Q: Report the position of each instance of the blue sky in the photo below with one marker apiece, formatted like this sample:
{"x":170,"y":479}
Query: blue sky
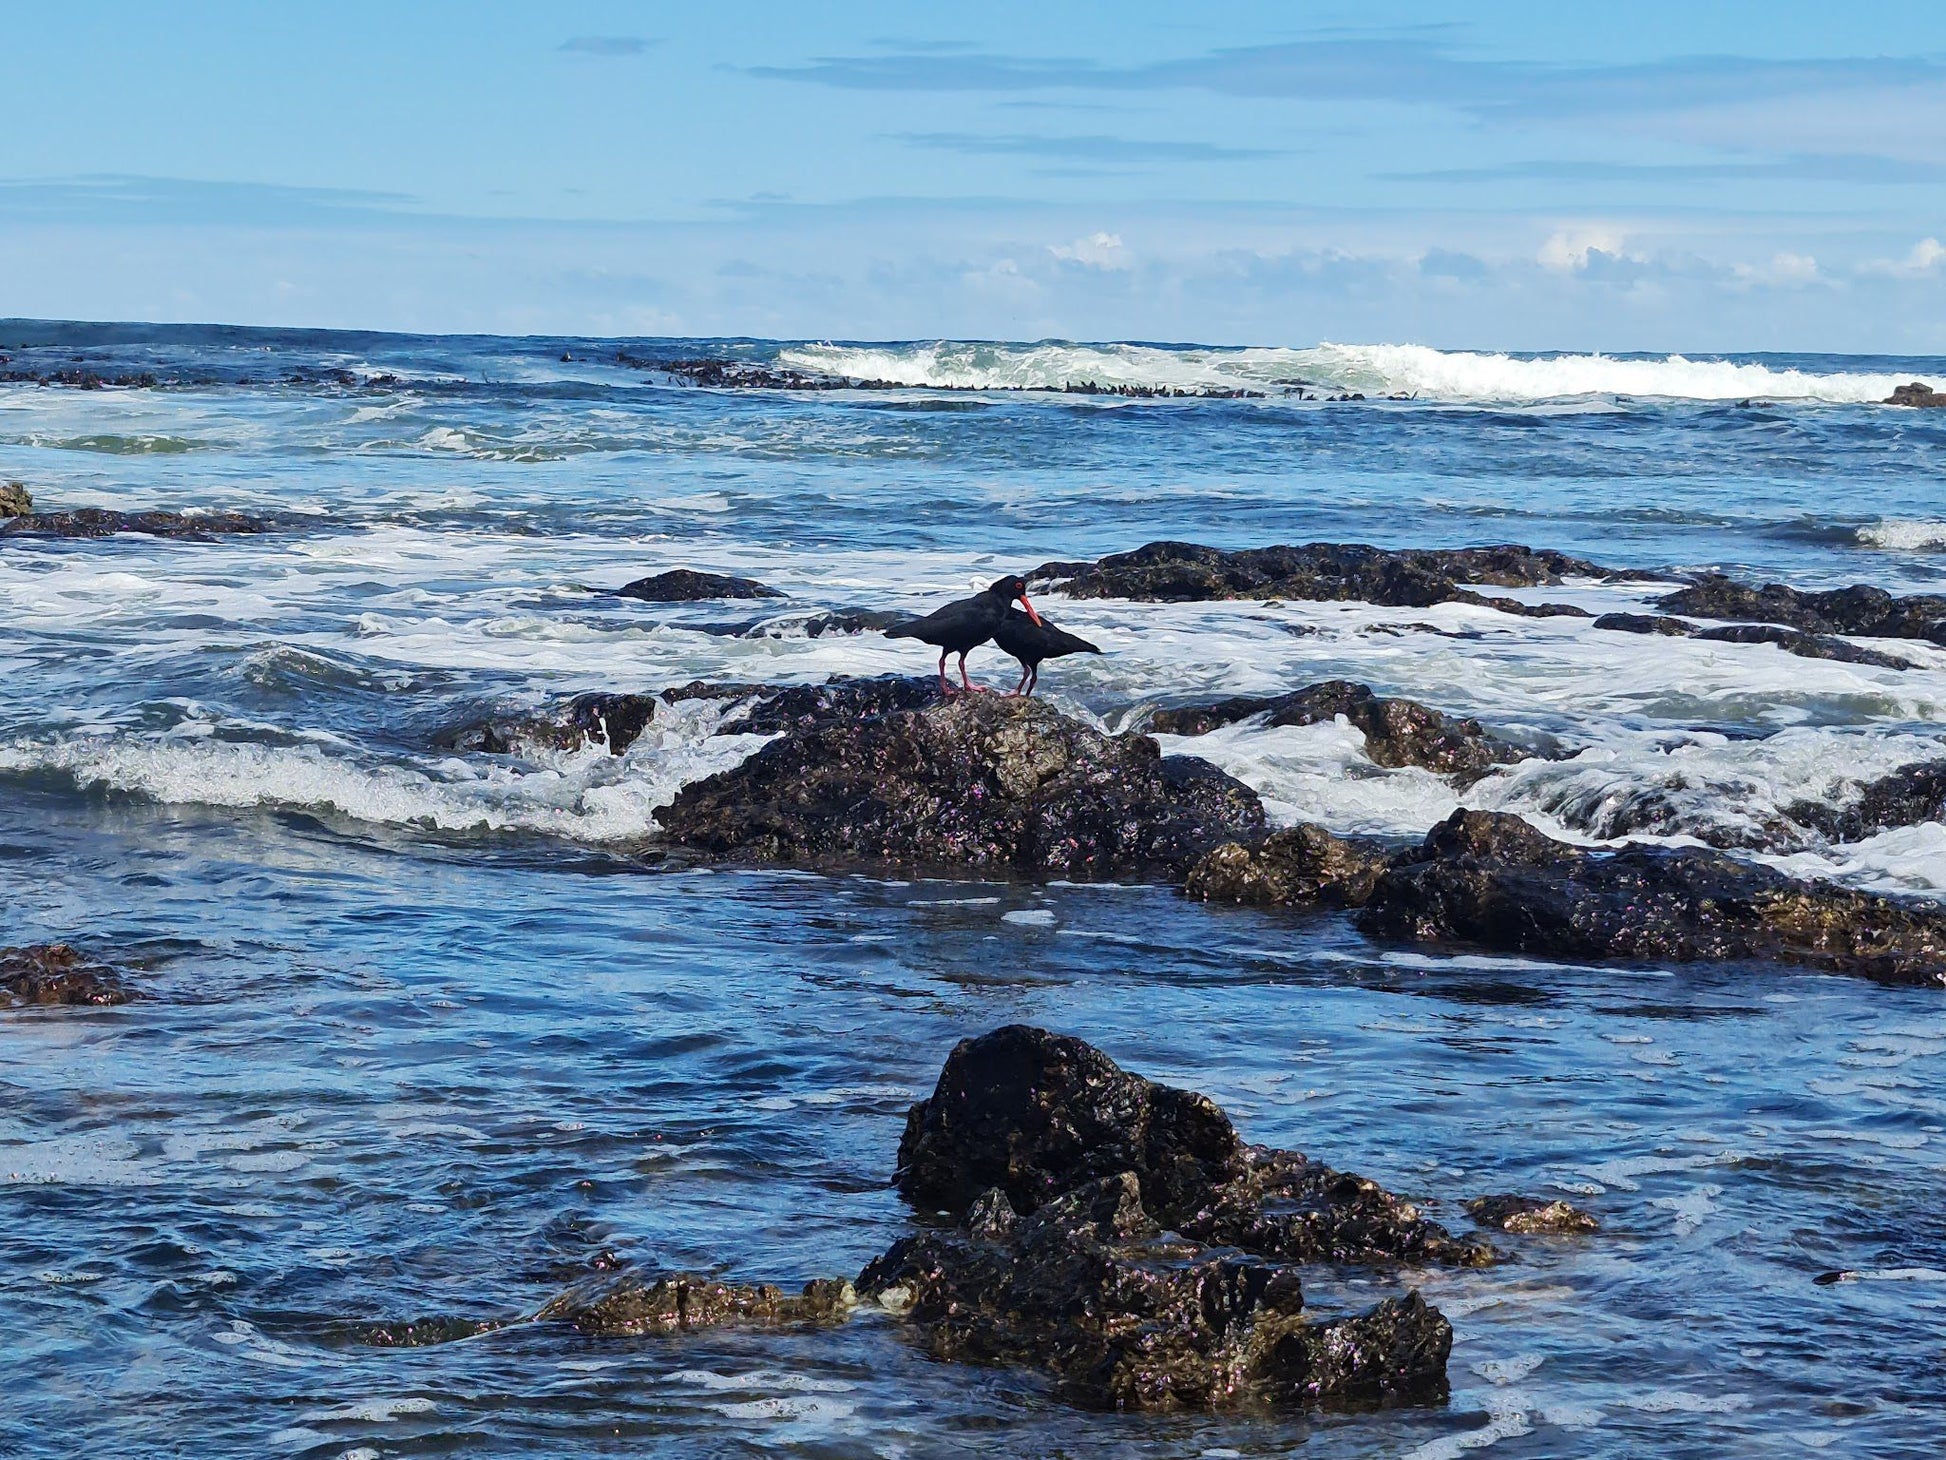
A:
{"x":1720,"y":176}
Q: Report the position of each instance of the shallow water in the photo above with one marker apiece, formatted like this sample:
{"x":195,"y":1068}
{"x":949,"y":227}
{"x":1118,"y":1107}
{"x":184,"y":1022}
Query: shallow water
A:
{"x":423,"y":1037}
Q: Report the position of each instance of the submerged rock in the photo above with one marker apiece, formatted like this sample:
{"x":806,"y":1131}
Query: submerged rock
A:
{"x":628,"y":1304}
{"x":1037,"y":1115}
{"x":1181,"y":572}
{"x":1398,"y":732}
{"x":1916,"y":394}
{"x":977,"y":783}
{"x":616,"y":720}
{"x":1859,"y":609}
{"x":1300,"y":866}
{"x":101,"y":522}
{"x":1491,"y":879}
{"x":57,"y":973}
{"x":686,"y":585}
{"x":1528,"y":1215}
{"x":835,"y":621}
{"x":1804,"y":644}
{"x":1908,"y":796}
{"x":1088,"y":1288}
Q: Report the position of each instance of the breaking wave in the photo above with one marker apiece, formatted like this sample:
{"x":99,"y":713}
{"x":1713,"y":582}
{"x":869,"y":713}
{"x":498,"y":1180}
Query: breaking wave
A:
{"x":1412,"y":370}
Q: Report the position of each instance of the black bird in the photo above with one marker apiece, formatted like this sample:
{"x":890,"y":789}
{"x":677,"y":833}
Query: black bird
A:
{"x":1032,"y":640}
{"x":965,"y":624}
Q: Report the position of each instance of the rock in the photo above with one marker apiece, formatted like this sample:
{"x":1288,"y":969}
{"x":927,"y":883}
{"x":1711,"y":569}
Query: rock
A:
{"x":1300,"y":866}
{"x":1088,"y":1288}
{"x":1859,"y":609}
{"x":794,"y":709}
{"x":57,"y":973}
{"x":837,"y":621}
{"x":1527,"y":1215}
{"x":1792,"y":641}
{"x":627,"y":1305}
{"x":979,"y":783}
{"x":617,"y":720}
{"x":100,"y":522}
{"x":1038,"y":1115}
{"x":15,"y":500}
{"x":1489,"y":878}
{"x":1908,"y":796}
{"x":1398,"y":732}
{"x":1916,"y":394}
{"x":685,"y":585}
{"x":422,"y":1332}
{"x":1180,"y":572}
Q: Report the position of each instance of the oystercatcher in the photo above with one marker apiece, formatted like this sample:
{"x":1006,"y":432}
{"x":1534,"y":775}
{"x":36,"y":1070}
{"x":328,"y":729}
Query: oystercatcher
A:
{"x":965,"y":624}
{"x":1032,"y":640}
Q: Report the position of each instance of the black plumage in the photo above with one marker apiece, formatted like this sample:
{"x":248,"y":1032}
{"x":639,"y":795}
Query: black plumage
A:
{"x":966,"y":623}
{"x":1033,"y":640}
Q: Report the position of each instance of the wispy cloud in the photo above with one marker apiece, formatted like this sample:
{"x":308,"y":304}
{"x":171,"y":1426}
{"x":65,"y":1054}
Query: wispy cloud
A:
{"x":1863,"y":170}
{"x":608,"y":45}
{"x":1094,"y":148}
{"x":126,"y":198}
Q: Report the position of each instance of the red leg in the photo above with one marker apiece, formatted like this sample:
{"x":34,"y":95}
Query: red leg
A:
{"x":1020,"y":689}
{"x":971,"y":687}
{"x":946,"y":689}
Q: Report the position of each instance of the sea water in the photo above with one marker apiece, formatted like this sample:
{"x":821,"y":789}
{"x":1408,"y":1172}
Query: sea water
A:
{"x":424,"y":1032}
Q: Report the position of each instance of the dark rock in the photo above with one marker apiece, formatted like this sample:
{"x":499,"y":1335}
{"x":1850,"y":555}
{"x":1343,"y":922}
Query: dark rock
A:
{"x":1301,"y":866}
{"x":1527,"y":1215}
{"x":1859,"y":609}
{"x":57,"y":973}
{"x":1908,"y":796}
{"x":617,"y":720}
{"x":15,"y":500}
{"x":1916,"y":394}
{"x":627,"y":1304}
{"x":981,"y":782}
{"x":686,"y":585}
{"x":1398,"y":732}
{"x":838,"y":621}
{"x":100,"y":522}
{"x":794,"y":709}
{"x":1088,"y":1288}
{"x":1180,"y":572}
{"x":1792,"y":641}
{"x":422,"y":1332}
{"x":1038,"y":1115}
{"x":1491,"y":879}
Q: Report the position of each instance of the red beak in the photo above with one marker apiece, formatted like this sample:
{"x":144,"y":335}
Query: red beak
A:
{"x":1030,"y":609}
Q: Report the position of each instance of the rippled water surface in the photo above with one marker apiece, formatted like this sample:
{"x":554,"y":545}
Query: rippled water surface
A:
{"x":423,"y":1034}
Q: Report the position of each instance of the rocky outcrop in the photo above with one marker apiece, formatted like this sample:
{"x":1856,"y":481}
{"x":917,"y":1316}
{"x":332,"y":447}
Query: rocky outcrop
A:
{"x":1088,"y":1288}
{"x":628,"y":1304}
{"x":1908,"y":796}
{"x":614,"y":720}
{"x":1038,"y":1115}
{"x":15,"y":500}
{"x":1299,"y":866}
{"x":794,"y":709}
{"x":1181,"y":572}
{"x":101,"y":522}
{"x":686,"y":585}
{"x":1489,"y":878}
{"x":1859,"y":609}
{"x":1792,"y":641}
{"x":1398,"y":732}
{"x":1530,"y":1215}
{"x":980,"y":784}
{"x":1916,"y":394}
{"x":57,"y":973}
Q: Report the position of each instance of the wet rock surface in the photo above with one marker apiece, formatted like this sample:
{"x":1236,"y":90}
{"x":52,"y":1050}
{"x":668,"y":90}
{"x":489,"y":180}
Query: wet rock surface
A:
{"x":88,"y":522}
{"x":1299,"y":866}
{"x":686,"y":585}
{"x":1530,"y":1215}
{"x":1180,"y":572}
{"x":1908,"y":796}
{"x":1090,"y":1289}
{"x":793,"y":709}
{"x":1918,"y":393}
{"x":614,"y":720}
{"x":977,"y":783}
{"x":15,"y":499}
{"x":57,"y":973}
{"x":1038,"y":1115}
{"x":630,"y":1304}
{"x":1491,"y":879}
{"x":1800,"y":642}
{"x":1859,"y":609}
{"x":1398,"y":732}
{"x":836,"y":621}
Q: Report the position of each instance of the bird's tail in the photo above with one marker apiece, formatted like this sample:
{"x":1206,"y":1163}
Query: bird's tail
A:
{"x":908,"y":630}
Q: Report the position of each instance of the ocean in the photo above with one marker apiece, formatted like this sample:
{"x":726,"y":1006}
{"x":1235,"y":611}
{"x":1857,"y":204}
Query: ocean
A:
{"x":421,"y":1032}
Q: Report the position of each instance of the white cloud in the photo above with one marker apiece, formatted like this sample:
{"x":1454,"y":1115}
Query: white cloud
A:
{"x":1926,"y":257}
{"x":1567,"y":249}
{"x":1786,"y":269}
{"x":1096,"y":251}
